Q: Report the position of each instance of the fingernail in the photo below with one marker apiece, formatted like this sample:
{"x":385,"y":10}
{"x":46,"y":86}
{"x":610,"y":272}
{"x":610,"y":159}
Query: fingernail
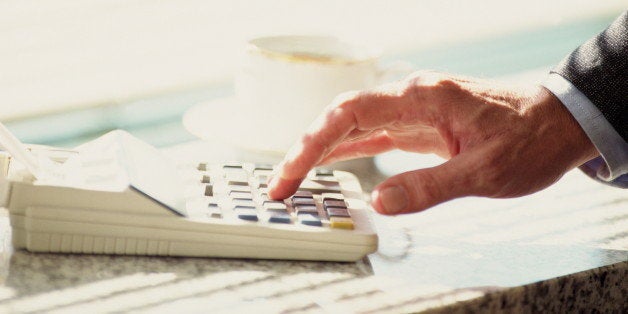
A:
{"x":394,"y":199}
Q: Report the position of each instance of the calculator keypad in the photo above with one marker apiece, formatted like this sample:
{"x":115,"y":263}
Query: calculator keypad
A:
{"x":239,"y":191}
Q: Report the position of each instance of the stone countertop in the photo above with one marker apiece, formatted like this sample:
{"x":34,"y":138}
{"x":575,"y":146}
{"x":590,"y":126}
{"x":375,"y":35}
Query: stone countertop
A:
{"x":563,"y":249}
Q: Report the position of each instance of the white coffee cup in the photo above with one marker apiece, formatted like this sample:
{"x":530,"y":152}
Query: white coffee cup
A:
{"x":284,"y":82}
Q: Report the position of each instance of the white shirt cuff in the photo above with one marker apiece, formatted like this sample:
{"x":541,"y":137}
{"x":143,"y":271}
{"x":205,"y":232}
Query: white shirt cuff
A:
{"x":610,"y":145}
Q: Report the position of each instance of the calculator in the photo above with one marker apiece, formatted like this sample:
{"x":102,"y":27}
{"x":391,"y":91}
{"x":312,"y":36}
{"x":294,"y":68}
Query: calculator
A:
{"x":118,"y":195}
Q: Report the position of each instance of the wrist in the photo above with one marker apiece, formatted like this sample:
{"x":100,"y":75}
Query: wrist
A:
{"x":561,"y":130}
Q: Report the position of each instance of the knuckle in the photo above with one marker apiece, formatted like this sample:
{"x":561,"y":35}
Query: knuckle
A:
{"x":447,"y":85}
{"x":344,"y":100}
{"x":312,"y":142}
{"x":424,"y":85}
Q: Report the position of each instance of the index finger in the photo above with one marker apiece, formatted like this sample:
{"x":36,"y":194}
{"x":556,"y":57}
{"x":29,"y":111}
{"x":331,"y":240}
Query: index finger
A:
{"x":362,"y":111}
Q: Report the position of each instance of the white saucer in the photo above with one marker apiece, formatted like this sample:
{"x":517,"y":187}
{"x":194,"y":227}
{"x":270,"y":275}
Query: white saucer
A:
{"x":223,"y":120}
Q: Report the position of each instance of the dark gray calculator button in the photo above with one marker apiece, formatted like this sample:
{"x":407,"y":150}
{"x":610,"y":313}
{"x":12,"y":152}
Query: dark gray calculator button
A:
{"x":337,"y":212}
{"x":303,"y":201}
{"x":334,"y":203}
{"x":302,"y":194}
{"x":306,"y":210}
{"x":202,"y":166}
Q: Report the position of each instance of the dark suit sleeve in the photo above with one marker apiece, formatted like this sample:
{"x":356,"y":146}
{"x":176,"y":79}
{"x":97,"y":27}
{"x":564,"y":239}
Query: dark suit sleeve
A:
{"x":599,"y":69}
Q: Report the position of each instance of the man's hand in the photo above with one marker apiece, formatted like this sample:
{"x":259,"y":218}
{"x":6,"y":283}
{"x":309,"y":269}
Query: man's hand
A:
{"x":500,"y":142}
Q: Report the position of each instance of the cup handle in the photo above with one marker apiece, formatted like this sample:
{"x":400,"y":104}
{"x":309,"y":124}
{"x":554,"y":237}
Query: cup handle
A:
{"x":395,"y":70}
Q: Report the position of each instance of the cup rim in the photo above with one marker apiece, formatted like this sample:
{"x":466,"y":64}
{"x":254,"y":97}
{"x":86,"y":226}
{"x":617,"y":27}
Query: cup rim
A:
{"x":257,"y":46}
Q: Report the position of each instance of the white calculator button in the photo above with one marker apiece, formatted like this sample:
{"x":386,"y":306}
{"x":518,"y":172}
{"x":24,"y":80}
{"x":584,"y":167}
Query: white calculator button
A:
{"x":237,"y":178}
{"x":236,"y":195}
{"x":214,"y":211}
{"x":209,"y":190}
{"x":206,"y":179}
{"x":243,"y":202}
{"x":275,"y":206}
{"x":318,"y":187}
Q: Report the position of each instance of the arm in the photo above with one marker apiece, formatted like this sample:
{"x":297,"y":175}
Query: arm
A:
{"x":592,"y":82}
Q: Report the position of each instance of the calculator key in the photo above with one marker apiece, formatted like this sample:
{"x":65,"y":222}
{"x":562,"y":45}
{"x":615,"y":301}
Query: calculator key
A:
{"x":263,"y":198}
{"x":302,"y":194}
{"x":239,"y":188}
{"x":206,"y":179}
{"x":325,"y":178}
{"x":236,"y":195}
{"x":318,"y":186}
{"x":237,"y":178}
{"x":337,"y":212}
{"x":202,"y":166}
{"x":324,"y":172}
{"x":275,"y":206}
{"x":263,"y":167}
{"x":260,"y":182}
{"x":283,"y":218}
{"x":306,"y":210}
{"x":237,"y":182}
{"x":324,"y":175}
{"x":214,"y":211}
{"x":334,"y":203}
{"x":310,"y":220}
{"x":209,"y":190}
{"x":341,"y":223}
{"x":262,"y":173}
{"x":243,"y":202}
{"x":332,"y":196}
{"x":303,"y":201}
{"x":232,"y":165}
{"x":246,"y":213}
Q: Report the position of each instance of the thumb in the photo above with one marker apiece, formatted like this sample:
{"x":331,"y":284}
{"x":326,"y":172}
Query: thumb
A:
{"x":418,"y":190}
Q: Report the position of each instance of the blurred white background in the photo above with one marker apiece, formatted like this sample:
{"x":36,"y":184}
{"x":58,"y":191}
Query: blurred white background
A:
{"x":60,"y":56}
{"x":71,"y":70}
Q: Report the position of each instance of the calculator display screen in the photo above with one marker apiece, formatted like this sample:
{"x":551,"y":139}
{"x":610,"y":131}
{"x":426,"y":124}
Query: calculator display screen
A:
{"x":151,"y":173}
